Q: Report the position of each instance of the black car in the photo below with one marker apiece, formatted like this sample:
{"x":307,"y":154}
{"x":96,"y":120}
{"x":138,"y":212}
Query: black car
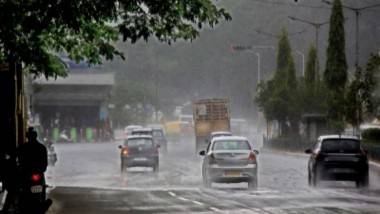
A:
{"x":340,"y":158}
{"x":230,"y":159}
{"x":139,"y":151}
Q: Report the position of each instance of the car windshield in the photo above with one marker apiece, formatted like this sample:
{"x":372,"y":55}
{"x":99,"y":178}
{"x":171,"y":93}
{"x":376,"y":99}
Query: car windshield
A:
{"x":231,"y":145}
{"x":158,"y":133}
{"x":340,"y":146}
{"x":139,"y":142}
{"x":141,"y":133}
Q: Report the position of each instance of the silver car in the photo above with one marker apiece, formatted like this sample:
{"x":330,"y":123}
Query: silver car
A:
{"x":230,"y":159}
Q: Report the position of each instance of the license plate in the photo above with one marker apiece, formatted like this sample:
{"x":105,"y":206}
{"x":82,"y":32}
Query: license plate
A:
{"x":36,"y":189}
{"x":232,"y":174}
{"x":140,"y":159}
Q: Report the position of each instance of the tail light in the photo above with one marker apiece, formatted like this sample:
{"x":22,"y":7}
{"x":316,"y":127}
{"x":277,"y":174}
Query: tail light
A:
{"x":252,"y":158}
{"x":125,"y":152}
{"x":36,"y":177}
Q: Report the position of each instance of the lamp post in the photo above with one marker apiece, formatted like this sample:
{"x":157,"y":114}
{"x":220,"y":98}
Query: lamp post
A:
{"x":303,"y":61}
{"x":317,"y":26}
{"x":250,"y":48}
{"x":357,"y":11}
{"x":258,"y":68}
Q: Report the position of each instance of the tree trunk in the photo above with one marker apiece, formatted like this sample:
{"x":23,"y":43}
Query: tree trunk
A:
{"x":12,"y":110}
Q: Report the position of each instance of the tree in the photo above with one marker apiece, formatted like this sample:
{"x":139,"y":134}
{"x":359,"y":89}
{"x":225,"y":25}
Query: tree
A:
{"x":360,"y":99}
{"x":311,"y":73}
{"x":313,"y":92}
{"x":335,"y":75}
{"x":35,"y":32}
{"x":279,"y":98}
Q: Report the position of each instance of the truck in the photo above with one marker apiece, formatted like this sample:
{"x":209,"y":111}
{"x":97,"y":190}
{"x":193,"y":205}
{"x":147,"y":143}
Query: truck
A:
{"x":209,"y":115}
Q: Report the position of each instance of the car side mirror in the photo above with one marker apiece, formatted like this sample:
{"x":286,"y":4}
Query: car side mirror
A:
{"x":308,"y":151}
{"x":120,"y":147}
{"x":202,"y":153}
{"x":256,"y":151}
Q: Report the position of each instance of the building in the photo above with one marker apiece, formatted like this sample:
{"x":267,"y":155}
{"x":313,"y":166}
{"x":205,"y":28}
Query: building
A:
{"x":76,"y":105}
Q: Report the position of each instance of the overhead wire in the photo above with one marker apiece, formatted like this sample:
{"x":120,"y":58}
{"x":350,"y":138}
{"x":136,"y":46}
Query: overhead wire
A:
{"x":289,"y":4}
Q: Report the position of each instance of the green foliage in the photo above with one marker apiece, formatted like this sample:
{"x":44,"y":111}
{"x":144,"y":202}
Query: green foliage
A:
{"x":335,"y":75}
{"x":372,"y":134}
{"x":360,"y":99}
{"x":311,"y":73}
{"x":33,"y":31}
{"x":126,"y":96}
{"x":313,"y":91}
{"x":279,"y":98}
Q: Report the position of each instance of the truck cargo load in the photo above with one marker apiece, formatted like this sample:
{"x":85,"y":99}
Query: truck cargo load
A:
{"x":210,"y":115}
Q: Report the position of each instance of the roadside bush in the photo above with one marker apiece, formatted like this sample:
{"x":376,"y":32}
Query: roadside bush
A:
{"x":371,"y":135}
{"x":295,"y":144}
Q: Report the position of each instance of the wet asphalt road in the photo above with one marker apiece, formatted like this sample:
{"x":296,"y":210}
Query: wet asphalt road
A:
{"x":87,"y":179}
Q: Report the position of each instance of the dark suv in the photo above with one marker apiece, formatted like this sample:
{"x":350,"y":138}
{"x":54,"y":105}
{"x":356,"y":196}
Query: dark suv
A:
{"x":336,"y":157}
{"x":139,"y":151}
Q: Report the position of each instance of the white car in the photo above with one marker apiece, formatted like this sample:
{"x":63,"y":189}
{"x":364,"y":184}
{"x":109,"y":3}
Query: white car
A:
{"x":128,"y":129}
{"x":230,"y":159}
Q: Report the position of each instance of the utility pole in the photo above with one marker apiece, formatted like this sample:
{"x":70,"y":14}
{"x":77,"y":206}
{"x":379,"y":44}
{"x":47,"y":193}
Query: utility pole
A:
{"x":250,"y":48}
{"x":258,"y":68}
{"x":357,"y":11}
{"x":303,"y":61}
{"x":317,"y":26}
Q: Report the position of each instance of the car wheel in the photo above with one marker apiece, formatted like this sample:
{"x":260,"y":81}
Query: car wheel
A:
{"x":362,"y":182}
{"x":156,"y":168}
{"x":310,"y":179}
{"x":206,"y":180}
{"x":315,"y":178}
{"x":252,"y":184}
{"x":122,"y":167}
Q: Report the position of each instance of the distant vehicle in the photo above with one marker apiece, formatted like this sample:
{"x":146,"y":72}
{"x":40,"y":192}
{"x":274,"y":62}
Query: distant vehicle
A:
{"x":128,"y":129}
{"x":230,"y":159}
{"x":139,"y":151}
{"x":219,"y":134}
{"x":142,"y":131}
{"x":210,"y":115}
{"x":336,"y":157}
{"x":160,"y":139}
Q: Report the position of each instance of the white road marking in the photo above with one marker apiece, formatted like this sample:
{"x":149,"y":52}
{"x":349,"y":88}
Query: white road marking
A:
{"x":198,"y":203}
{"x":183,"y":199}
{"x":172,"y":194}
{"x":215,"y":209}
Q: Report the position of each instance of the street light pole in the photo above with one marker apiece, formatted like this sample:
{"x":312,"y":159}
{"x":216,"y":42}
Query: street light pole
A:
{"x":357,"y":11}
{"x":303,"y":61}
{"x":250,"y":48}
{"x":258,"y":68}
{"x":317,"y":26}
